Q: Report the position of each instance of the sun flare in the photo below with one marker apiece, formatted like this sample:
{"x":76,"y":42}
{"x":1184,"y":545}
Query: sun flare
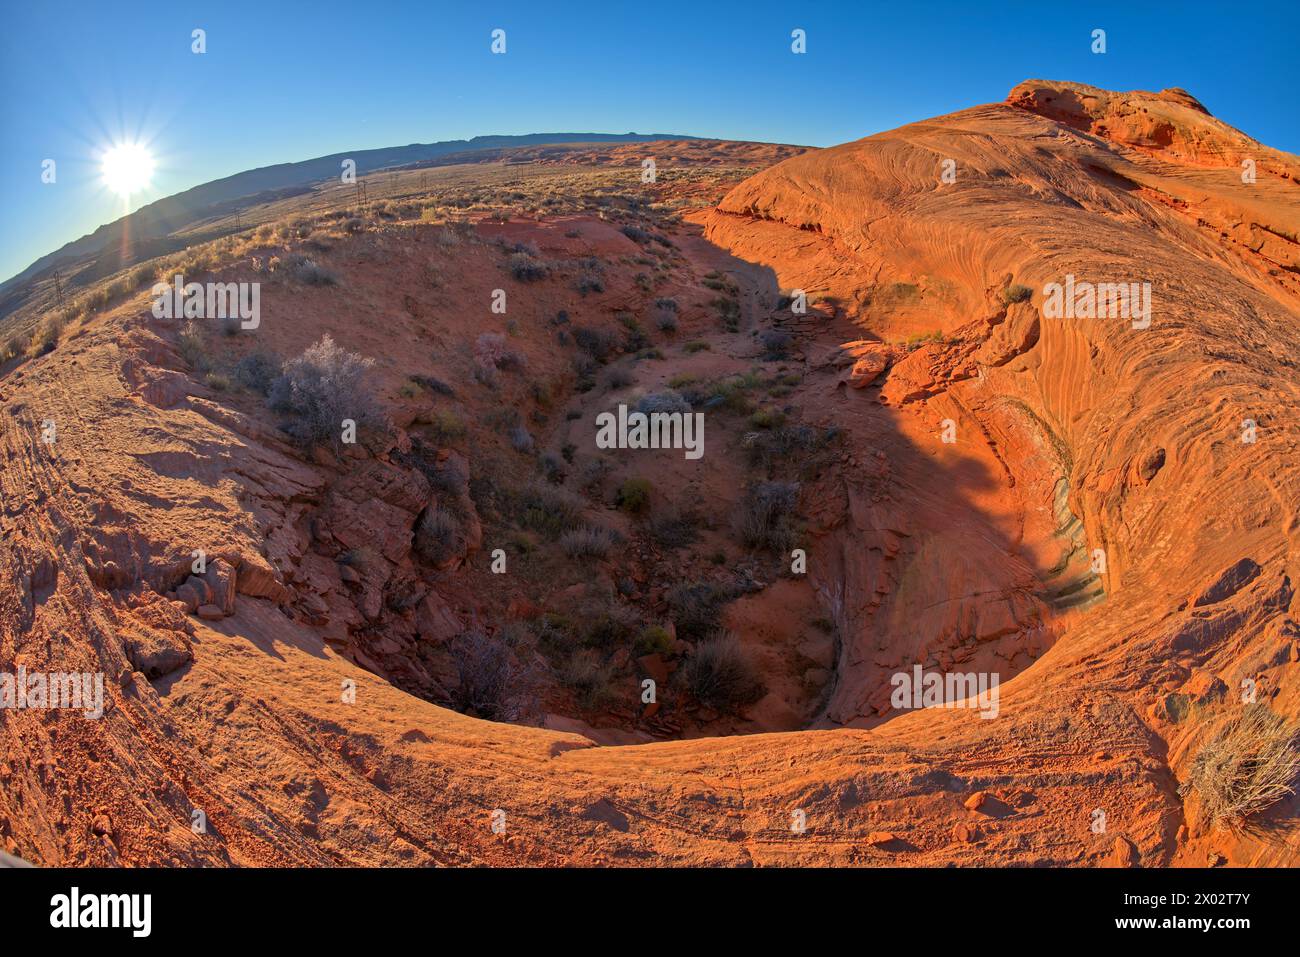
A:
{"x":127,"y":168}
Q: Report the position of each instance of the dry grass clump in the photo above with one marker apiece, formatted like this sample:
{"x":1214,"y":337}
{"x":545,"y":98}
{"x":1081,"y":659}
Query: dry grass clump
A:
{"x":47,"y":336}
{"x":194,"y":346}
{"x":307,"y":271}
{"x":437,"y":536}
{"x":767,"y":515}
{"x":1250,"y":765}
{"x":590,"y":541}
{"x":720,"y":675}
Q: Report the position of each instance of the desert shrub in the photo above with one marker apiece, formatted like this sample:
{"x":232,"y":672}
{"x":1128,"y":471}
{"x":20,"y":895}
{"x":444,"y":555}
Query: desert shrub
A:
{"x":666,"y":304}
{"x":696,"y":608}
{"x":767,"y":419}
{"x":634,"y":495}
{"x":668,"y":400}
{"x":590,"y":541}
{"x":258,"y":371}
{"x":445,"y":426}
{"x":733,"y":392}
{"x":502,"y":419}
{"x":767,"y":513}
{"x":544,"y":393}
{"x":775,"y":343}
{"x":1250,"y":765}
{"x":47,"y":335}
{"x":696,"y":345}
{"x":721,"y":676}
{"x":1016,"y":293}
{"x":527,"y":268}
{"x":779,"y":443}
{"x":307,"y":271}
{"x":490,"y":349}
{"x":729,"y":313}
{"x":637,"y":234}
{"x":598,"y":343}
{"x":589,"y":282}
{"x":13,"y":348}
{"x":194,"y":345}
{"x":634,"y":339}
{"x":217,"y":380}
{"x":589,"y":678}
{"x":592,"y":476}
{"x":552,"y":468}
{"x":666,"y":322}
{"x":433,"y":384}
{"x":448,"y":479}
{"x":654,"y":640}
{"x":521,"y":440}
{"x":604,"y":623}
{"x":673,"y":529}
{"x":486,"y":374}
{"x":618,"y":378}
{"x":548,"y":510}
{"x":320,"y":388}
{"x":437,"y":535}
{"x":491,"y":683}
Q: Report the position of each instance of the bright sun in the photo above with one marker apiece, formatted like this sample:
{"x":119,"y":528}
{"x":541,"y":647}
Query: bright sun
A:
{"x":127,"y":168}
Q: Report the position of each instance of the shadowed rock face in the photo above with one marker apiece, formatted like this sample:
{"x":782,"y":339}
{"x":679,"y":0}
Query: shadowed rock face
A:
{"x":1069,"y":502}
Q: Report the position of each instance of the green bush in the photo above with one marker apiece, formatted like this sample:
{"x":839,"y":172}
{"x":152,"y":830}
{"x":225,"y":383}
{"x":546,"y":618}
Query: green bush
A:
{"x":634,"y":496}
{"x":654,"y":640}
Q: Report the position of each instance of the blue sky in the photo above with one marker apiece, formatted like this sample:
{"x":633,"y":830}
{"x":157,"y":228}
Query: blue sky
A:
{"x":285,"y":81}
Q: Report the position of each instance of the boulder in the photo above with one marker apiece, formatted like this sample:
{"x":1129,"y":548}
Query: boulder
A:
{"x":221,"y":576}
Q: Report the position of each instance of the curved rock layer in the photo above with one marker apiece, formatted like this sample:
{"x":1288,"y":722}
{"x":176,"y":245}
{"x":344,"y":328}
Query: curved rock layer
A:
{"x":1074,"y":504}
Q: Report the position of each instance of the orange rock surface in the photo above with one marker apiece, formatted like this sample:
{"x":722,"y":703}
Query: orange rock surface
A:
{"x":1065,"y":502}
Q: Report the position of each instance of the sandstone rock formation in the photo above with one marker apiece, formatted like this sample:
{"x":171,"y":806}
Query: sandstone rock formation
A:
{"x":1074,"y":504}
